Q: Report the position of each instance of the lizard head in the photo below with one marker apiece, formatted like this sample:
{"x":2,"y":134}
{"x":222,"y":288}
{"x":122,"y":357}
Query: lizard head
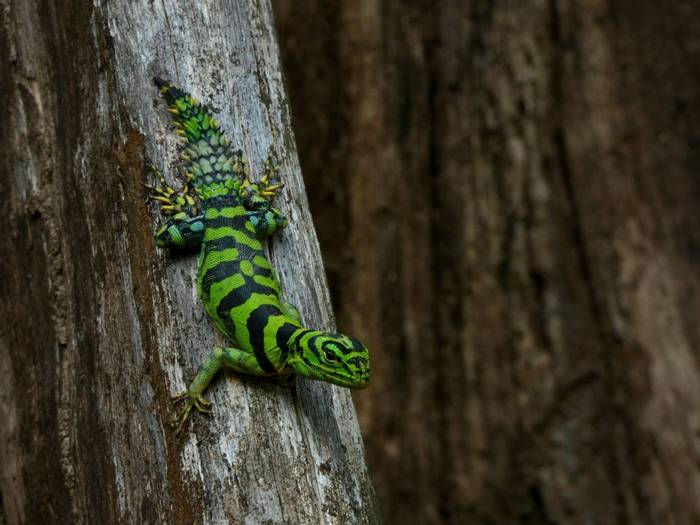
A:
{"x":334,"y":358}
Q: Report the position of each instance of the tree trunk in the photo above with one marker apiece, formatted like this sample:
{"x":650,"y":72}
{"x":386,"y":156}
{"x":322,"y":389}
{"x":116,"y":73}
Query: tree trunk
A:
{"x":100,"y":328}
{"x":520,"y":248}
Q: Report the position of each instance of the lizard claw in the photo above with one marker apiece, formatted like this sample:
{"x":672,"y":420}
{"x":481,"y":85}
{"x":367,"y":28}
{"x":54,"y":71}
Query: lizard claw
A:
{"x":264,"y":187}
{"x":270,"y":190}
{"x":270,"y":171}
{"x":198,"y":402}
{"x":171,"y":201}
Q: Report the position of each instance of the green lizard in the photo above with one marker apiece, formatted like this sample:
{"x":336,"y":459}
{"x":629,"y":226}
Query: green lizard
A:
{"x":227,"y":215}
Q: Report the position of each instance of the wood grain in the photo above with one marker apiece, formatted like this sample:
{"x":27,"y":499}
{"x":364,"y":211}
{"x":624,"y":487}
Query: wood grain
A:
{"x":100,"y":328}
{"x":519,"y":245}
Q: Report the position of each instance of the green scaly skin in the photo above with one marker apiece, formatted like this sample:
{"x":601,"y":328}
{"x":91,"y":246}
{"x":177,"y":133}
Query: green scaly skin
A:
{"x":225,"y":214}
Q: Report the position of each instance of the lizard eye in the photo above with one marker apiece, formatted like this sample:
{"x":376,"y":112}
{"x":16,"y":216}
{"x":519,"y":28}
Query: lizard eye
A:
{"x":330,"y":356}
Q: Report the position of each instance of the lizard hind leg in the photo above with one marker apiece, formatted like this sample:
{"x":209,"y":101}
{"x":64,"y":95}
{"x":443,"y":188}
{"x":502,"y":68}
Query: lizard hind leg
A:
{"x":266,"y":221}
{"x":185,"y":228}
{"x":270,"y":171}
{"x":179,"y":233}
{"x":174,"y":203}
{"x":257,"y":200}
{"x":265,"y":188}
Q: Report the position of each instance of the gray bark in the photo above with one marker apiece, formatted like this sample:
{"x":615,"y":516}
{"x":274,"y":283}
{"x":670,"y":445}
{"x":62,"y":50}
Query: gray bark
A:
{"x":100,"y":328}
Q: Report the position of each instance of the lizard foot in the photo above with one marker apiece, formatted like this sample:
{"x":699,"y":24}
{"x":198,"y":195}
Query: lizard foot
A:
{"x":180,"y":204}
{"x":197,"y":402}
{"x":264,"y":188}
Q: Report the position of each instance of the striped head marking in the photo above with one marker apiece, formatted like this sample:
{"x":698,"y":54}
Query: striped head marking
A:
{"x":334,"y":358}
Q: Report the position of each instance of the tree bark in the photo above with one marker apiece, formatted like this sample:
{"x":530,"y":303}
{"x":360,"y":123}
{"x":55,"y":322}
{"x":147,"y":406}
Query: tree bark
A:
{"x":100,"y":328}
{"x":520,"y":248}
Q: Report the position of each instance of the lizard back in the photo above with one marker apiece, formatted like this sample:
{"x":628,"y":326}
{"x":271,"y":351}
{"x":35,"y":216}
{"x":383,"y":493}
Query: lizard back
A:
{"x":235,"y":279}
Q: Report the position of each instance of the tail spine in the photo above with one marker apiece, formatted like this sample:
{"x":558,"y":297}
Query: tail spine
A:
{"x":211,"y":164}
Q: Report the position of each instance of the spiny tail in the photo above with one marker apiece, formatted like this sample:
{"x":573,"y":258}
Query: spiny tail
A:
{"x":212,"y":166}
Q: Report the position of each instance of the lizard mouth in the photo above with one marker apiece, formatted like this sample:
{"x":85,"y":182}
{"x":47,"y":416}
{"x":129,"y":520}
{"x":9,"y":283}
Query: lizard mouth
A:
{"x":363,"y":383}
{"x":356,"y":382}
{"x":336,"y":377}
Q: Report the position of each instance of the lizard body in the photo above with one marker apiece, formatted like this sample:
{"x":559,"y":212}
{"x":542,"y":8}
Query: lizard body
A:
{"x":227,"y":216}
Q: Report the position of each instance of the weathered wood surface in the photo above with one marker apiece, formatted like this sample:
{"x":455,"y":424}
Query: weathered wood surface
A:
{"x":99,"y":328}
{"x":521,"y":180}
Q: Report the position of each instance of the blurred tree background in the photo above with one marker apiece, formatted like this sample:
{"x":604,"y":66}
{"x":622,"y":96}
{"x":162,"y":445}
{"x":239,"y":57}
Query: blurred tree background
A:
{"x":506,"y":194}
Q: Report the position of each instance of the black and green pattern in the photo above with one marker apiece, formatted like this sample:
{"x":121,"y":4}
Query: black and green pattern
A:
{"x":227,"y":217}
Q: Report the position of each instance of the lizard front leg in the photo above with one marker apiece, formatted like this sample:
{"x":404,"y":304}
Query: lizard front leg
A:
{"x":233,"y":358}
{"x":289,"y":309}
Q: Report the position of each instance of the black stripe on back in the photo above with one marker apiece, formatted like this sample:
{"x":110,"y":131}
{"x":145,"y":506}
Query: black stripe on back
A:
{"x":284,"y":336}
{"x":240,"y":295}
{"x":256,"y":329}
{"x":230,"y":200}
{"x":218,"y":273}
{"x":298,"y":337}
{"x":237,"y":223}
{"x":312,"y":345}
{"x":225,"y":269}
{"x":223,"y":243}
